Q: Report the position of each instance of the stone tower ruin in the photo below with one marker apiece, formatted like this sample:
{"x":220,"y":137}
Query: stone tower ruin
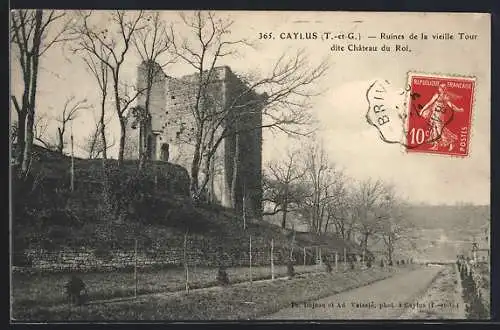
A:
{"x":169,"y":132}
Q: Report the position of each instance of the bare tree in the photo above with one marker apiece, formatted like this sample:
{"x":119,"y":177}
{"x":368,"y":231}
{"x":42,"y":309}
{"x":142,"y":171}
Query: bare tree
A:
{"x":33,"y":32}
{"x":40,"y":127}
{"x":109,"y":45}
{"x":67,"y":115}
{"x":372,"y":205}
{"x":317,"y":170}
{"x":341,"y":215}
{"x":396,"y":231}
{"x":283,"y":104}
{"x":100,"y":72}
{"x":336,"y":213}
{"x":93,"y":143}
{"x":279,"y":184}
{"x":325,"y":184}
{"x":152,"y":43}
{"x":13,"y":132}
{"x":390,"y":233}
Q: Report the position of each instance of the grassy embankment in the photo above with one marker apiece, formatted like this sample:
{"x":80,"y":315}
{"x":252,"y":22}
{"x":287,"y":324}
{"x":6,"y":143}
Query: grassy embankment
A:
{"x":235,"y":302}
{"x":48,"y":289}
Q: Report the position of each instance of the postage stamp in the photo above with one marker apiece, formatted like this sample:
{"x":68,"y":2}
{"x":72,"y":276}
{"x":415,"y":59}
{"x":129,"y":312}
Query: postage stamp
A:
{"x":439,"y":114}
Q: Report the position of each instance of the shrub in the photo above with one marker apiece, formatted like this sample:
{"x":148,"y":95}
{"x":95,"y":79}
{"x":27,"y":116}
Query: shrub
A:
{"x":49,"y":245}
{"x":381,"y":262}
{"x":21,"y":259}
{"x":222,"y":277}
{"x":76,"y":291}
{"x":289,"y":269}
{"x":58,"y":233}
{"x":397,"y":262}
{"x":368,"y":263}
{"x":103,"y":253}
{"x":328,"y":266}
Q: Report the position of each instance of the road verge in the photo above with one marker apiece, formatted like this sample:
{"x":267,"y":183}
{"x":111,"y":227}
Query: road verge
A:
{"x":237,"y":302}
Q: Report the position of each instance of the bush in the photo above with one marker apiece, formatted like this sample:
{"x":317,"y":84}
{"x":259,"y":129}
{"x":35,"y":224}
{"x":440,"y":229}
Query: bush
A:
{"x":369,"y":263}
{"x":222,"y":277}
{"x":76,"y":291}
{"x":381,"y":262}
{"x":21,"y":259}
{"x":103,"y":253}
{"x":289,"y":269}
{"x":328,"y":266}
{"x":49,"y":245}
{"x":58,"y":233}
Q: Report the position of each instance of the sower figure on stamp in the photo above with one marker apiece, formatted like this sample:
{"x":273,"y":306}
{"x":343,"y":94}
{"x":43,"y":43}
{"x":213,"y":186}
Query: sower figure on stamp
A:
{"x":434,"y":112}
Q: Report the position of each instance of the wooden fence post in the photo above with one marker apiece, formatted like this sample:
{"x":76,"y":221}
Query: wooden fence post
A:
{"x":135,"y":269}
{"x":72,"y":170}
{"x":250,"y":258}
{"x":336,"y":261}
{"x":185,"y":262}
{"x":345,"y":259}
{"x":316,"y":259}
{"x":272,"y":259}
{"x":250,"y":262}
{"x":304,"y":256}
{"x":244,"y":213}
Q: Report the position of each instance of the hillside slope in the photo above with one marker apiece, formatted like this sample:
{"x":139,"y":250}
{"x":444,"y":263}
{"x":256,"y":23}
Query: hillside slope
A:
{"x":155,"y":213}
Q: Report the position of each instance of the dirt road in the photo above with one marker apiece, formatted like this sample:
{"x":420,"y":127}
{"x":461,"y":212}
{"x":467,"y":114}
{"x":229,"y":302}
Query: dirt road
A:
{"x":381,"y":300}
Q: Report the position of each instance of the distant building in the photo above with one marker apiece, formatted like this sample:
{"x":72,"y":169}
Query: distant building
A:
{"x":170,"y":132}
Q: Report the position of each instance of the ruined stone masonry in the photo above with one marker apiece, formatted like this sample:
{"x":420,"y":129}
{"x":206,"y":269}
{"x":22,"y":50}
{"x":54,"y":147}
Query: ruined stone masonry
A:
{"x":168,"y":134}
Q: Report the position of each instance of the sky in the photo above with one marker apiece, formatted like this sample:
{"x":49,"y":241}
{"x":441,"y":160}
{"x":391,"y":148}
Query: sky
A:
{"x":352,"y":144}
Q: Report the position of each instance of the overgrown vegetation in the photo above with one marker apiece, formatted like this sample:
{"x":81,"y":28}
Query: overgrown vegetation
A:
{"x":328,"y":266}
{"x":148,"y":206}
{"x":290,"y":269}
{"x":472,"y":294}
{"x":222,"y":277}
{"x":76,"y":291}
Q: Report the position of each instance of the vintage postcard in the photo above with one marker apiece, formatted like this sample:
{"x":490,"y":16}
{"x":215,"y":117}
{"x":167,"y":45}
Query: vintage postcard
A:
{"x":240,"y":165}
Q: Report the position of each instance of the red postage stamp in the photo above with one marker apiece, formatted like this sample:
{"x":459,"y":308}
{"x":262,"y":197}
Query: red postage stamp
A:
{"x":439,"y":114}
